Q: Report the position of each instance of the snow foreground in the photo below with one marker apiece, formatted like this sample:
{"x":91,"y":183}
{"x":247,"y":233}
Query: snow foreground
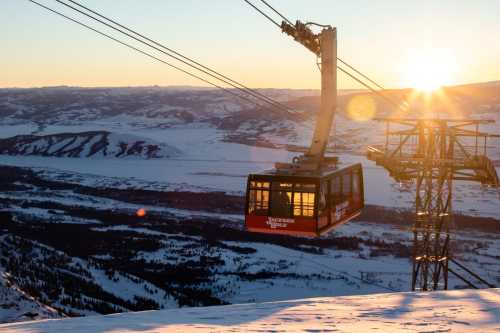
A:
{"x":444,"y":311}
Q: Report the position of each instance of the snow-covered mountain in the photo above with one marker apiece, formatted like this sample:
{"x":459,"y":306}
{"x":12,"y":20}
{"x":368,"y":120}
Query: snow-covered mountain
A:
{"x":126,"y":110}
{"x":150,"y":106}
{"x":86,"y":144}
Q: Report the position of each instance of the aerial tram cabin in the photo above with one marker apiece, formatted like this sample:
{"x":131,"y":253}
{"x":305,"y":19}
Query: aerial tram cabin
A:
{"x":309,"y":196}
{"x":303,"y":205}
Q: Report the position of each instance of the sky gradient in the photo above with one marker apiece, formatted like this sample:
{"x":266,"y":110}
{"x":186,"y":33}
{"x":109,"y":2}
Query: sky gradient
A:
{"x":378,"y":37}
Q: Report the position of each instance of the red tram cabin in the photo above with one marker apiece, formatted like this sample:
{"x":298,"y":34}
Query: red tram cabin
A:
{"x":303,"y":205}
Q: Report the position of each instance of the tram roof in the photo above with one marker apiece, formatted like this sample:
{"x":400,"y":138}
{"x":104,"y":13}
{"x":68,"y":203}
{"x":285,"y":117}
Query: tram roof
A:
{"x":300,"y":175}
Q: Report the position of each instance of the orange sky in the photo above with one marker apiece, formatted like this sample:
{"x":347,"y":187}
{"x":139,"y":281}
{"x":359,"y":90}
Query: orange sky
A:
{"x":40,"y":49}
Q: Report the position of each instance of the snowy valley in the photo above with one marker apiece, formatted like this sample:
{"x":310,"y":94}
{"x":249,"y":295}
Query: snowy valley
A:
{"x":77,"y":165}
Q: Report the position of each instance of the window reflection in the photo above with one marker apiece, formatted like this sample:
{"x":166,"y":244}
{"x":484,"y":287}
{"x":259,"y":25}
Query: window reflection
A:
{"x":258,"y":203}
{"x":303,"y":204}
{"x":281,"y":203}
{"x":281,"y":199}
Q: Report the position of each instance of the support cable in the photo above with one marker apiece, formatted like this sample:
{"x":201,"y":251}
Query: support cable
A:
{"x":378,"y":93}
{"x":322,"y":25}
{"x":247,"y":89}
{"x":470,"y":284}
{"x":381,"y":94}
{"x":142,"y":52}
{"x":274,"y":10}
{"x":166,"y":53}
{"x":472,"y":273}
{"x":264,"y":14}
{"x":342,"y":273}
{"x":363,"y":75}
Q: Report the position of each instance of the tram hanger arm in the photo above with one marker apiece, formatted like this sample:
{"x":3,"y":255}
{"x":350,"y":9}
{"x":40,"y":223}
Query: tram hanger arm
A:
{"x":324,"y":45}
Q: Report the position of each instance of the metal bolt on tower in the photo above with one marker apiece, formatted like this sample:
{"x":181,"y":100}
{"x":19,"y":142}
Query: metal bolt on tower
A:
{"x":433,"y":153}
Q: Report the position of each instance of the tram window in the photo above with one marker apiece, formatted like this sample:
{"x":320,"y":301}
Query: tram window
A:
{"x":281,"y":199}
{"x":356,"y":186}
{"x":322,"y":198}
{"x":346,"y":186}
{"x":278,"y":186}
{"x":335,"y":190}
{"x":259,"y":202}
{"x":257,"y":184}
{"x":281,"y":203}
{"x":305,"y":187}
{"x":258,"y":198}
{"x":303,"y":204}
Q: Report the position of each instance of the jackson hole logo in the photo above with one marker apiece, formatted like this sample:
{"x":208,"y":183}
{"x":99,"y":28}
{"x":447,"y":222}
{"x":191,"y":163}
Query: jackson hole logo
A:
{"x":341,"y":210}
{"x":278,"y":222}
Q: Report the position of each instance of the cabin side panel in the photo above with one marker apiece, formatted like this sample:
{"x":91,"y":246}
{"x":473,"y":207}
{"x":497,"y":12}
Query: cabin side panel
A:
{"x":281,"y":225}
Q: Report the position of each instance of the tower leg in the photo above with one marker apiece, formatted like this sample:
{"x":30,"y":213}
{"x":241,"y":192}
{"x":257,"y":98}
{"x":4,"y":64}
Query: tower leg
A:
{"x":431,"y":231}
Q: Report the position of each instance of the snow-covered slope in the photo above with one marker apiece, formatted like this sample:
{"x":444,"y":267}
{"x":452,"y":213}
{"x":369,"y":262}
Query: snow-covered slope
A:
{"x":84,"y":250}
{"x":190,"y":244}
{"x":450,"y":311}
{"x":16,"y":305}
{"x":86,"y":144}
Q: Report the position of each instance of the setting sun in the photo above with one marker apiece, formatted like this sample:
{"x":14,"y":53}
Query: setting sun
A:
{"x":428,"y":70}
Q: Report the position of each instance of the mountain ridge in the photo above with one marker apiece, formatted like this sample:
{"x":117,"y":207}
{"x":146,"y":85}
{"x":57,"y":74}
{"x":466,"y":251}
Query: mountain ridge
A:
{"x":85,"y":144}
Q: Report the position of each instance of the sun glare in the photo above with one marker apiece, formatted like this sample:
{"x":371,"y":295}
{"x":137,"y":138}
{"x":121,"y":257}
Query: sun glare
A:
{"x":428,"y":70}
{"x":361,"y":108}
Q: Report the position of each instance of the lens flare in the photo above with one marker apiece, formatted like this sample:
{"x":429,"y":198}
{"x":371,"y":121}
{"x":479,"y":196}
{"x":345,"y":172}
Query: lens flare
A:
{"x":141,"y":212}
{"x":361,"y":108}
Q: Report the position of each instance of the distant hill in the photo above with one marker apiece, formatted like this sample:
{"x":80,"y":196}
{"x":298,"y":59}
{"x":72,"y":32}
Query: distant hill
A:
{"x":86,"y":144}
{"x":488,"y":84}
{"x":142,"y":109}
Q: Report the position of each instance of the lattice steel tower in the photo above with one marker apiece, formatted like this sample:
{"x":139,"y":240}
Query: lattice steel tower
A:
{"x":433,"y":153}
